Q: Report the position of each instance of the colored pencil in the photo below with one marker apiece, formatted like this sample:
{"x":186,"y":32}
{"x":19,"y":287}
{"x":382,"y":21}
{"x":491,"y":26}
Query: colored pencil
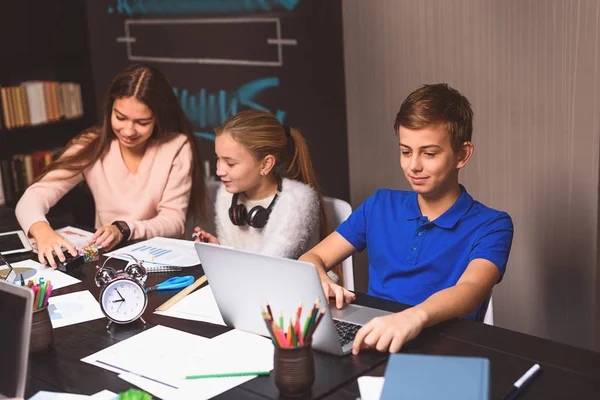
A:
{"x":307,"y":322}
{"x":299,"y":311}
{"x":47,"y":296}
{"x":281,"y":320}
{"x":310,"y":319}
{"x":228,"y":374}
{"x":314,"y":326}
{"x":42,"y":295}
{"x":294,"y":336}
{"x":288,"y":335}
{"x":269,"y":328}
{"x":276,"y":335}
{"x":281,"y":336}
{"x":38,"y":291}
{"x":270,"y":312}
{"x":299,"y":332}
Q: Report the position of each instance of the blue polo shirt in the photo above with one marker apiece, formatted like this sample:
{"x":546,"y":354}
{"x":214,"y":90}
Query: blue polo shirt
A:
{"x":411,"y":258}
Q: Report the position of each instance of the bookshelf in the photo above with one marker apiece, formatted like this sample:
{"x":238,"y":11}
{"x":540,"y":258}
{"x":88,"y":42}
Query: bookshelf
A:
{"x":28,"y":139}
{"x":47,"y":41}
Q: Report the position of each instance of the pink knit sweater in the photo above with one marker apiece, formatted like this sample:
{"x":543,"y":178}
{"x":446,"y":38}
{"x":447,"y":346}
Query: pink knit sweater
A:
{"x":153,"y":202}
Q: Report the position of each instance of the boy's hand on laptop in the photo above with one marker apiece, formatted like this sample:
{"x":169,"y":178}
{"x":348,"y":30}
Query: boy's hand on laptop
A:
{"x":332,"y":289}
{"x":389,"y":333}
{"x":50,"y":243}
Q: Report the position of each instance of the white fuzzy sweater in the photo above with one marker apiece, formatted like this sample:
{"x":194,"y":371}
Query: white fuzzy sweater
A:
{"x":292,"y":229}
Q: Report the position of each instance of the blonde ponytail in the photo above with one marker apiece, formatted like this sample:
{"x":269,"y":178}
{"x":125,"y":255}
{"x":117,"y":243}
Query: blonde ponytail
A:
{"x":262,"y":135}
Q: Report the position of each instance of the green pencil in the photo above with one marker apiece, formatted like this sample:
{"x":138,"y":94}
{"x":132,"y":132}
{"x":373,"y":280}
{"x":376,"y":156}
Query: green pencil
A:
{"x":227,"y":375}
{"x":281,"y":320}
{"x":42,"y":294}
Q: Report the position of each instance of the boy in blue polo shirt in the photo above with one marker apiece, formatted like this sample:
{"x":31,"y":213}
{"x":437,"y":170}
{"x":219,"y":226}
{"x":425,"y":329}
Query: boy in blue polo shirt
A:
{"x":434,"y":248}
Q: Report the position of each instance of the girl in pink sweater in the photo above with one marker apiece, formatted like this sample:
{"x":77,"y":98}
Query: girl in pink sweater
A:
{"x":139,"y":163}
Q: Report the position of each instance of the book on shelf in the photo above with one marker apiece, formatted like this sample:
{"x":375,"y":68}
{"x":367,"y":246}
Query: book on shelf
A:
{"x":17,"y":173}
{"x":2,"y":197}
{"x":37,"y":102}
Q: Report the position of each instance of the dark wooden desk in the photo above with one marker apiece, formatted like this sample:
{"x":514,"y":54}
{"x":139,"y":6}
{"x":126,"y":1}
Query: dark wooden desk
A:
{"x":62,"y":370}
{"x":568,"y":372}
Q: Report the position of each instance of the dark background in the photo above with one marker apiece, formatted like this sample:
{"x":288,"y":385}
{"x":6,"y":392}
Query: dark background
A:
{"x":306,"y":92}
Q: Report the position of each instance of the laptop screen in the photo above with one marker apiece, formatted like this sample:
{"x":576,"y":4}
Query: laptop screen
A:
{"x":13,"y":312}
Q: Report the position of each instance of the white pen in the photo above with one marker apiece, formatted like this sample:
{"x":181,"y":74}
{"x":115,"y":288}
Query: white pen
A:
{"x":520,"y":384}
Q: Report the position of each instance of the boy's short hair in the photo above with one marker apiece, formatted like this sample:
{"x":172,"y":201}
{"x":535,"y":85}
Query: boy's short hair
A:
{"x":438,"y":104}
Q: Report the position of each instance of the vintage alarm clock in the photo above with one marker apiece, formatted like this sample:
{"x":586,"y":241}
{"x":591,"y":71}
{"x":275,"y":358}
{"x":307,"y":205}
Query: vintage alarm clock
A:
{"x":123,"y":298}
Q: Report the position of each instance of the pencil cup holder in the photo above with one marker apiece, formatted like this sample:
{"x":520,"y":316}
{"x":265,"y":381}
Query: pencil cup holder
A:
{"x":42,"y":335}
{"x":294,"y":370}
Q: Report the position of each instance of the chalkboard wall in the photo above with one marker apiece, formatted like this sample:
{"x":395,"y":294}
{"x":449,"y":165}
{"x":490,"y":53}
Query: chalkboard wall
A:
{"x":224,"y":56}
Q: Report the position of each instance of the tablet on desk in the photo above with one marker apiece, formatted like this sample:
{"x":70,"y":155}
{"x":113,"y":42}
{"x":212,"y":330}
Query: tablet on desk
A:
{"x":14,"y":242}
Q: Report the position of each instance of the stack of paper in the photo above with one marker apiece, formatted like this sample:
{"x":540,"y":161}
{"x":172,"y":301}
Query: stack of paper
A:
{"x":158,"y":360}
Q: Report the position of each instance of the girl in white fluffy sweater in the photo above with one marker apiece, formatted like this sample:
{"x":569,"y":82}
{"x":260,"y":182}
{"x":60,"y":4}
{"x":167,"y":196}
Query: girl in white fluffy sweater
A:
{"x":270,"y":202}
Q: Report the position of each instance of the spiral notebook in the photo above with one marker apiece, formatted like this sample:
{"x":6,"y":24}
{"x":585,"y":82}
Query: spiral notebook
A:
{"x":150,"y":268}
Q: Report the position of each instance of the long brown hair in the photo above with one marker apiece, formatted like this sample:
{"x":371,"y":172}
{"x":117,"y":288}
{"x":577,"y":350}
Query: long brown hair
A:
{"x":149,"y":86}
{"x":262,"y":134}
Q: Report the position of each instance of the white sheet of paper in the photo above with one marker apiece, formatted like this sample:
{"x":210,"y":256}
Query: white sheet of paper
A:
{"x":236,"y":351}
{"x":197,"y":389}
{"x":233,"y":351}
{"x":43,"y":395}
{"x":34,"y":270}
{"x":162,"y":251}
{"x":77,"y":236}
{"x":161,"y":357}
{"x":103,"y":395}
{"x":73,"y":308}
{"x":159,"y":353}
{"x":197,"y":306}
{"x":370,"y":387}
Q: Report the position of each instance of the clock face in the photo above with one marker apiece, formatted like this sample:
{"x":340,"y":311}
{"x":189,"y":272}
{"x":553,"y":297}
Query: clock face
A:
{"x":123,"y":300}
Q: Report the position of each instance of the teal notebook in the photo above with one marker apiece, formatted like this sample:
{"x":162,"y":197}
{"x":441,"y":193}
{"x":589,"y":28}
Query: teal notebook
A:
{"x":415,"y":376}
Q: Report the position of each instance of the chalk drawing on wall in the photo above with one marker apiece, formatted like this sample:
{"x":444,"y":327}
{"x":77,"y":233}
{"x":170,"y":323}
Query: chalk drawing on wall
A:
{"x":204,"y":109}
{"x":202,"y":28}
{"x":148,"y":7}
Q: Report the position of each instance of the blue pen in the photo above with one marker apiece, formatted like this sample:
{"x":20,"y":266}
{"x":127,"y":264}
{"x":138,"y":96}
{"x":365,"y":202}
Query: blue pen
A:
{"x":177,"y":282}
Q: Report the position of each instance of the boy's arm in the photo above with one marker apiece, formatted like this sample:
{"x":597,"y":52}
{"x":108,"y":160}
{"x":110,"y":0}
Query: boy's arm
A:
{"x":330,"y":252}
{"x":392,"y":331}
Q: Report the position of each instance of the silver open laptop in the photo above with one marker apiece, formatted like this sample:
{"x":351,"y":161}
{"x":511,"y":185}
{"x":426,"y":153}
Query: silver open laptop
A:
{"x":16,"y":304}
{"x":243,"y":282}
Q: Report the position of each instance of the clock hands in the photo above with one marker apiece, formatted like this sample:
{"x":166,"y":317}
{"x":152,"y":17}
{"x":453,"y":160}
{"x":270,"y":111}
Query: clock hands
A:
{"x":119,"y":301}
{"x":122,"y":300}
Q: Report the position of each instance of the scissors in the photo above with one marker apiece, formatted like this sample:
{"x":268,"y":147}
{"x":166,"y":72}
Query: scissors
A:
{"x":177,"y":282}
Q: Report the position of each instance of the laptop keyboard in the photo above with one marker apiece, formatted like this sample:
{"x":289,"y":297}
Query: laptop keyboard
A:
{"x":346,"y":331}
